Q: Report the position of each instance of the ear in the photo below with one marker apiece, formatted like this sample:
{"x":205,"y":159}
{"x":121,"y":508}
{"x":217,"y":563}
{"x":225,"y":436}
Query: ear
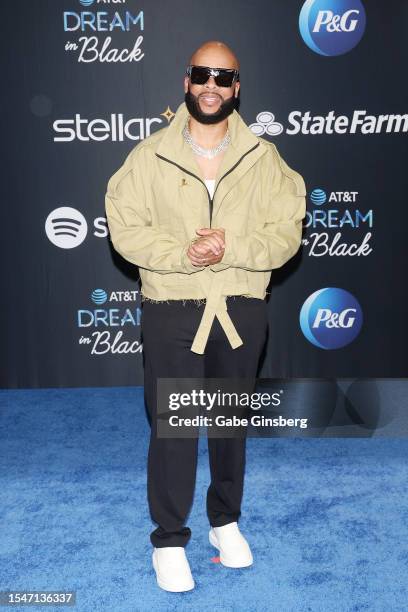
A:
{"x":185,"y":84}
{"x":237,"y":86}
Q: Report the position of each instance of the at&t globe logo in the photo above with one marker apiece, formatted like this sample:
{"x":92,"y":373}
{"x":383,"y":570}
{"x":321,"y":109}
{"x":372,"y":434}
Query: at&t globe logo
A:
{"x":331,"y":318}
{"x":332,"y":27}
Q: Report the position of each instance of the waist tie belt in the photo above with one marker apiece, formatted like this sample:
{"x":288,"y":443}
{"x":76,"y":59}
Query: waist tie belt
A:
{"x":215,"y":306}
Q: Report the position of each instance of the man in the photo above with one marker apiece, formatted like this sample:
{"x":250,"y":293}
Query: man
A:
{"x":206,"y":210}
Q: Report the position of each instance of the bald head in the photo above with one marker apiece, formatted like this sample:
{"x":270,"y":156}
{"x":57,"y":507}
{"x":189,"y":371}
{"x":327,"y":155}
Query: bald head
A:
{"x":209,"y":102}
{"x":215,"y":54}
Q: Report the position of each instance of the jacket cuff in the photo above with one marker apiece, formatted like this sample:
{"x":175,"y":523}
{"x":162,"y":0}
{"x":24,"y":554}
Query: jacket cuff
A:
{"x":232,"y":243}
{"x":185,"y":261}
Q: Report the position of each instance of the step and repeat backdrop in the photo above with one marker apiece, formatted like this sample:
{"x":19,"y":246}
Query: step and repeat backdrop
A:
{"x":84,"y":81}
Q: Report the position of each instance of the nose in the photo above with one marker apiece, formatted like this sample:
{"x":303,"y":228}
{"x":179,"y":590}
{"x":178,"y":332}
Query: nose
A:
{"x":210,"y":84}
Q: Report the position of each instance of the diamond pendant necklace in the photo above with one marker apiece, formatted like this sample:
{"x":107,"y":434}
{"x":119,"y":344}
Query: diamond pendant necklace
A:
{"x":208,"y":153}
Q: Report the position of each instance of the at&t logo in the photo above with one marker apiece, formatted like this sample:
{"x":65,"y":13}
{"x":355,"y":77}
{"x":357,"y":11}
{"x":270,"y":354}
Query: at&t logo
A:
{"x":331,"y":318}
{"x":332,"y":27}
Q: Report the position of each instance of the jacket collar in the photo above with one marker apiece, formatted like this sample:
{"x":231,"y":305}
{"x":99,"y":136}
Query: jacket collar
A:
{"x":173,"y":146}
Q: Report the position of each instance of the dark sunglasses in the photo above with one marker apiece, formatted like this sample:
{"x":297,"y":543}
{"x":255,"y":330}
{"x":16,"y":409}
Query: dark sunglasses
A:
{"x":224,"y":77}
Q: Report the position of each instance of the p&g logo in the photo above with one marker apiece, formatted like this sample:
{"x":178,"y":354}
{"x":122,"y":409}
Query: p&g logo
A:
{"x":331,"y":318}
{"x":332,"y":27}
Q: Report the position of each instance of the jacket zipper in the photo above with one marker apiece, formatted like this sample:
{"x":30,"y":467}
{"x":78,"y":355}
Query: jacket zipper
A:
{"x":210,"y":199}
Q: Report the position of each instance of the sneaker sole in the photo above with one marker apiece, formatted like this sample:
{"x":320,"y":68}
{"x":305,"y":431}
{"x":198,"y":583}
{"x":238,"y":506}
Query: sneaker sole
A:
{"x":170,"y":587}
{"x":224,"y":560}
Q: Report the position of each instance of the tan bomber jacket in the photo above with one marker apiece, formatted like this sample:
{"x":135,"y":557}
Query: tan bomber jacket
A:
{"x":157,"y":199}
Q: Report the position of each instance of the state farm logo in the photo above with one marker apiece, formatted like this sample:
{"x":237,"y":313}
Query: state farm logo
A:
{"x":304,"y":122}
{"x":266,"y":124}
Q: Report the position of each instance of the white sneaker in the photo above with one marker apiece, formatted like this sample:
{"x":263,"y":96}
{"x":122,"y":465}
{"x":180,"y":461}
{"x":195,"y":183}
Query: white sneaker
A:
{"x":233,"y":547}
{"x":172,"y":569}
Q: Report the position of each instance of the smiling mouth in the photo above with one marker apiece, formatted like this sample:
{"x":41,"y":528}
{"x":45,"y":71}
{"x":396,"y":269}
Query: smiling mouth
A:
{"x":209,"y":98}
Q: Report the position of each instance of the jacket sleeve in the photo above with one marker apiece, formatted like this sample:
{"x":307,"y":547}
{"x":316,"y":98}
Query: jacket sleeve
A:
{"x":130,"y":224}
{"x":279,"y":238}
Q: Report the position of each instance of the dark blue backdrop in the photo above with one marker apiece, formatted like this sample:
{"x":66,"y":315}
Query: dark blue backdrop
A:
{"x":71,"y":316}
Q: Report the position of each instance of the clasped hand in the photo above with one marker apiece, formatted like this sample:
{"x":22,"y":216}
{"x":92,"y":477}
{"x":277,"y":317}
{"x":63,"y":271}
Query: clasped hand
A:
{"x":209,"y":248}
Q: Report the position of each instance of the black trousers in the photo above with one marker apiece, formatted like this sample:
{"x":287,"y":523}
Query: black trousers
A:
{"x":167,"y":332}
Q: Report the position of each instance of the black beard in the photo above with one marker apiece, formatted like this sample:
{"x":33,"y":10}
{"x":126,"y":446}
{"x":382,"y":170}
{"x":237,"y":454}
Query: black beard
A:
{"x":193,"y":107}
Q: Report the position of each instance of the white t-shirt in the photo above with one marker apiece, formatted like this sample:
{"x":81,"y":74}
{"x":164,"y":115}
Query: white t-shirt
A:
{"x":210,"y":186}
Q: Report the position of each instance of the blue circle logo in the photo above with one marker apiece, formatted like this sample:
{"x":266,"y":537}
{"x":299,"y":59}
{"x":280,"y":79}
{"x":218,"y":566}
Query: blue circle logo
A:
{"x":99,"y":296}
{"x":331,"y":318}
{"x":318,"y":197}
{"x":332,"y":27}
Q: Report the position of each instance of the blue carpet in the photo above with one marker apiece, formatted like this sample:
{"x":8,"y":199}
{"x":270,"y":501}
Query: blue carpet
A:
{"x":326,"y":518}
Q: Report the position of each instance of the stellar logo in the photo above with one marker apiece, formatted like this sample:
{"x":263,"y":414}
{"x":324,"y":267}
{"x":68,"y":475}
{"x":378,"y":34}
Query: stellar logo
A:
{"x":331,"y":318}
{"x":67,"y":228}
{"x":107,"y":323}
{"x":332,"y":27}
{"x":115,"y":129}
{"x":337,"y":211}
